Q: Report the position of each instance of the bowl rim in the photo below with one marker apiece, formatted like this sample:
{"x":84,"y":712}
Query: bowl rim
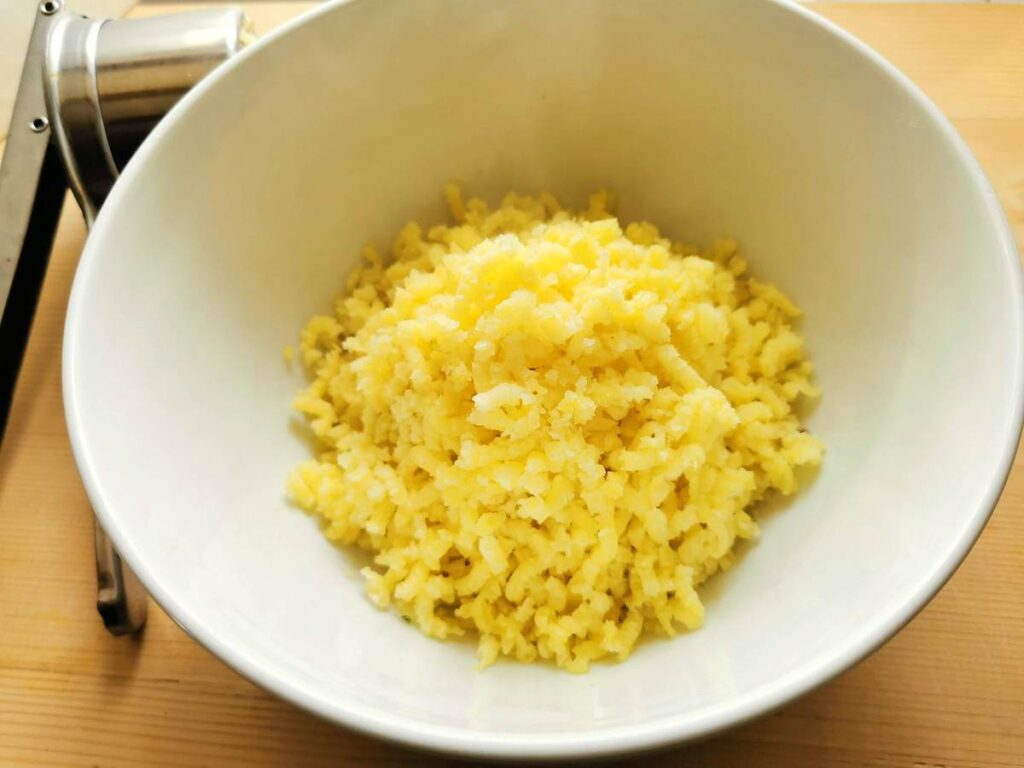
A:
{"x":672,"y":729}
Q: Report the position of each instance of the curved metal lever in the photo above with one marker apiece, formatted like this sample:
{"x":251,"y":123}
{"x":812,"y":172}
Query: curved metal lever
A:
{"x":120,"y":598}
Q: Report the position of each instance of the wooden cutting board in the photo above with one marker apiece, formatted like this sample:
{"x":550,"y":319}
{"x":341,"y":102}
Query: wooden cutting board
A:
{"x":947,"y":691}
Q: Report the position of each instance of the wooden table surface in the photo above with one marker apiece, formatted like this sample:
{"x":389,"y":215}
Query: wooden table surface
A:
{"x":947,"y":691}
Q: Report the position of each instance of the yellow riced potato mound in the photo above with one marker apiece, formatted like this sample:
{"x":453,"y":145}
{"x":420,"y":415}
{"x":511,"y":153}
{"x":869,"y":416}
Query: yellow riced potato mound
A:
{"x":547,"y":428}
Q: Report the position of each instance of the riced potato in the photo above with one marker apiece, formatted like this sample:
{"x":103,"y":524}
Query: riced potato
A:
{"x":548,"y":427}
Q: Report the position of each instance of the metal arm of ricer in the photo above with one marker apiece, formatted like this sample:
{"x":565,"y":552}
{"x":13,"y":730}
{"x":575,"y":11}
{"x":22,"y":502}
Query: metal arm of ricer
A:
{"x":90,"y":92}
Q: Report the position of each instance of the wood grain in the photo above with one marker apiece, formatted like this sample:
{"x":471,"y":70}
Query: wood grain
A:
{"x":947,"y":691}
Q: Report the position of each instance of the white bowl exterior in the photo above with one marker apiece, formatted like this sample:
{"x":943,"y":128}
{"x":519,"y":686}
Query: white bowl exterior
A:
{"x":241,"y":216}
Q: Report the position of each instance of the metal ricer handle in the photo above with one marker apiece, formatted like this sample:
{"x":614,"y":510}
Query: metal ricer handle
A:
{"x":90,"y":92}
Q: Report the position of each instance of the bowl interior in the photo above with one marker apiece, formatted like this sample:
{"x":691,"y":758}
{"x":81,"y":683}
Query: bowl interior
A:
{"x":242,"y":216}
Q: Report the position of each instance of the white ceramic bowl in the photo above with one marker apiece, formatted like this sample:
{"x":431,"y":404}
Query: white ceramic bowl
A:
{"x":243,"y":212}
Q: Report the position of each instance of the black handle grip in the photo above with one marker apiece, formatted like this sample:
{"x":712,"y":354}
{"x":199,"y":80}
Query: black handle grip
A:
{"x":16,"y":322}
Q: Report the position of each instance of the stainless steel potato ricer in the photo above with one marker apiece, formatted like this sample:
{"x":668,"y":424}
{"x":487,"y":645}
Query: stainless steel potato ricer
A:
{"x":90,"y":92}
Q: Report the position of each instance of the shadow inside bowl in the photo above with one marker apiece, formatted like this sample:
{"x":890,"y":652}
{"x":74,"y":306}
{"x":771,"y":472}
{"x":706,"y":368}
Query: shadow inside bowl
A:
{"x":763,"y":512}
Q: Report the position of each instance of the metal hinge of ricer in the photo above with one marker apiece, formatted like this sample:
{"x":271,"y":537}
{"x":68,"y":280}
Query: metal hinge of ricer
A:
{"x":90,"y":92}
